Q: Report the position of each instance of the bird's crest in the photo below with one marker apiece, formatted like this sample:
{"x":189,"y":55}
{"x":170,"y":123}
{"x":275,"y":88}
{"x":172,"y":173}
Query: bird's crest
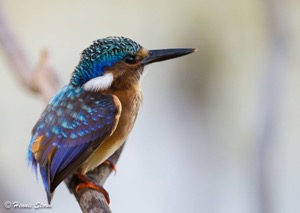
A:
{"x":102,"y":53}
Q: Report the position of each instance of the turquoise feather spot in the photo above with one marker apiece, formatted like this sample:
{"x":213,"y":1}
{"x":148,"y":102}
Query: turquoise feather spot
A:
{"x":56,"y":130}
{"x":73,"y":135}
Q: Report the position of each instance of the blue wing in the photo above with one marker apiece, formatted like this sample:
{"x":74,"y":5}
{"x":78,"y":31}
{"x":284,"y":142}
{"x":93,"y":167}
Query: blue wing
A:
{"x":72,"y":126}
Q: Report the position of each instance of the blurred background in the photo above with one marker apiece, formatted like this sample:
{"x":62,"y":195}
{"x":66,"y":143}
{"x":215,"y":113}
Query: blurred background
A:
{"x":218,"y":131}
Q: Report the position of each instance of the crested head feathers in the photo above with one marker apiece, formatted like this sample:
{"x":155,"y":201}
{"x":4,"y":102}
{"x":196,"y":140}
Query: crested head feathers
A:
{"x":102,"y":53}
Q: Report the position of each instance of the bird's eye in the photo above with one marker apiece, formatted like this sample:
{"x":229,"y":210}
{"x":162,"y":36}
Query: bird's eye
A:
{"x":129,"y":59}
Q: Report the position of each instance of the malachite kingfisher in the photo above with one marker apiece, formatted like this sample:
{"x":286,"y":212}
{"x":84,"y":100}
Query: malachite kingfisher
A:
{"x":92,"y":116}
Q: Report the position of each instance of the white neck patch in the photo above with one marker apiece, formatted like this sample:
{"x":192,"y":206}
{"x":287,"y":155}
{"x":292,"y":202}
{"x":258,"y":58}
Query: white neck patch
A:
{"x":99,"y":83}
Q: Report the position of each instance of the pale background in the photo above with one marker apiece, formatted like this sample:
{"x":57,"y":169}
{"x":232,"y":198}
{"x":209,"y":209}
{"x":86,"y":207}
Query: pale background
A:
{"x":218,"y":131}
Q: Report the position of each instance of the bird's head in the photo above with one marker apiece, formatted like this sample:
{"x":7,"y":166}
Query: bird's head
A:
{"x":117,"y":62}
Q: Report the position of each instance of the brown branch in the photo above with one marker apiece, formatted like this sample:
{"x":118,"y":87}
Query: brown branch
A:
{"x":92,"y":200}
{"x":44,"y":80}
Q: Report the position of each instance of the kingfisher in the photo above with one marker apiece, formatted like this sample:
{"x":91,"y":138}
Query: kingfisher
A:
{"x":92,"y":116}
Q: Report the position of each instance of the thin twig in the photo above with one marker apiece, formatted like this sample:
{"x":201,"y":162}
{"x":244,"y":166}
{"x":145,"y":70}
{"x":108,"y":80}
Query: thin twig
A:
{"x":44,"y":80}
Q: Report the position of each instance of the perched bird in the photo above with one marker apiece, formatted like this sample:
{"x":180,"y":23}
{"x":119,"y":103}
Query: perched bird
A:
{"x":91,"y":117}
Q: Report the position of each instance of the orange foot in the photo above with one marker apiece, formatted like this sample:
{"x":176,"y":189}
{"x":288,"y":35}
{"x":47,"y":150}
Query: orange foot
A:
{"x":112,"y":166}
{"x":88,"y":183}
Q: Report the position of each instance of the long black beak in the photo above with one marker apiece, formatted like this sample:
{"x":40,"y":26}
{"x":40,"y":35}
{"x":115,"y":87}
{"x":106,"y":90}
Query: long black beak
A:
{"x":166,"y":54}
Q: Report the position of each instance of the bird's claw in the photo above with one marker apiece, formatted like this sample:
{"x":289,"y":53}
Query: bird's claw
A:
{"x":111,"y":165}
{"x":88,"y":183}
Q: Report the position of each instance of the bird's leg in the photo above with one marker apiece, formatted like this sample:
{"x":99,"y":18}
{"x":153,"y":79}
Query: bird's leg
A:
{"x":110,"y":164}
{"x":86,"y":182}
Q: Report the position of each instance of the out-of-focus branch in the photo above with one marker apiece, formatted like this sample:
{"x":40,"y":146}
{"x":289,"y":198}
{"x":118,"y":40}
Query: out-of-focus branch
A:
{"x":44,"y":80}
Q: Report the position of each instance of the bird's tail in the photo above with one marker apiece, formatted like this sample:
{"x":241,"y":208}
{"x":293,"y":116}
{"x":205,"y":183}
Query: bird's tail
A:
{"x":44,"y":169}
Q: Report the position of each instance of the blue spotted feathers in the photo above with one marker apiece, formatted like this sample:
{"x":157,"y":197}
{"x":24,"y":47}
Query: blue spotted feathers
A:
{"x":102,"y":53}
{"x":73,"y":124}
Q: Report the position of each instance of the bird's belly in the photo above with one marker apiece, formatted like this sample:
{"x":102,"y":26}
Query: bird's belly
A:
{"x":110,"y":144}
{"x":103,"y":152}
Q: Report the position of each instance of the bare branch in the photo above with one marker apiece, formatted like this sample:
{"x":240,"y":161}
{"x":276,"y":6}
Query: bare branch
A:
{"x":44,"y":80}
{"x":92,"y":200}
